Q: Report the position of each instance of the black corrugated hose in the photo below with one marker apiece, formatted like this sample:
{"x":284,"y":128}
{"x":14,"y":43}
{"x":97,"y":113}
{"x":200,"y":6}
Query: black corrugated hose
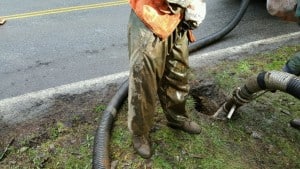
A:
{"x":102,"y":136}
{"x":222,"y":32}
{"x":101,"y":158}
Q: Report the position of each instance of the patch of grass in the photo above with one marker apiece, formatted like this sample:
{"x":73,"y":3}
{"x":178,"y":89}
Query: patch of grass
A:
{"x":244,"y":67}
{"x":258,"y":137}
{"x":100,"y":108}
{"x":222,"y":81}
{"x":65,"y":148}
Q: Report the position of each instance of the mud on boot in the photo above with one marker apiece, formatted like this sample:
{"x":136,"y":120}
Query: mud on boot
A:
{"x":188,"y":126}
{"x":141,"y":145}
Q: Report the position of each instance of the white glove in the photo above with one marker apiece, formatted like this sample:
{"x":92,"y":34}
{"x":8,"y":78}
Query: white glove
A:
{"x":195,"y":13}
{"x":280,"y":7}
{"x":182,"y":3}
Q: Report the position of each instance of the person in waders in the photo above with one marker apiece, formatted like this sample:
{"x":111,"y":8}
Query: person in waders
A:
{"x":159,"y":32}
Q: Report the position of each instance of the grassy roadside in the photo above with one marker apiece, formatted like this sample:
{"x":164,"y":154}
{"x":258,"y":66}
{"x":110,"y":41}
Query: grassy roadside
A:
{"x":259,"y":137}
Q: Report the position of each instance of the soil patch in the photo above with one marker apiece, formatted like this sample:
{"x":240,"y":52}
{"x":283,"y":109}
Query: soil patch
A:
{"x":70,"y":110}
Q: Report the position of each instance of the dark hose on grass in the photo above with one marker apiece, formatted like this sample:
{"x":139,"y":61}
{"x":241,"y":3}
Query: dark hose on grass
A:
{"x":102,"y":136}
{"x":101,"y":141}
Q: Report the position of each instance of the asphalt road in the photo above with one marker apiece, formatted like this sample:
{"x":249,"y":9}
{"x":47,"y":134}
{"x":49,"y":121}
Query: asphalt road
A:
{"x":51,"y":43}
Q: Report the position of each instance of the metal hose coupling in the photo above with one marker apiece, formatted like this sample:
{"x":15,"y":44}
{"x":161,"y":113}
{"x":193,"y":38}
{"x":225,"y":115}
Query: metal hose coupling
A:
{"x":229,"y":107}
{"x":257,"y":86}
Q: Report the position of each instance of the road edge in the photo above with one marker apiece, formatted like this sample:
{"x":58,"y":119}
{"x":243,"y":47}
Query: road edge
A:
{"x":32,"y":105}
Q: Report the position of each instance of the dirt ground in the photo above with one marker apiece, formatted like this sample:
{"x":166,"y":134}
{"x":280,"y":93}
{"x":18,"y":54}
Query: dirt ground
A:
{"x":74,"y":110}
{"x":71,"y":110}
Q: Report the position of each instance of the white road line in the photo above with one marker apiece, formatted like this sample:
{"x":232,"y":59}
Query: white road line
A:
{"x":30,"y":105}
{"x":248,"y":48}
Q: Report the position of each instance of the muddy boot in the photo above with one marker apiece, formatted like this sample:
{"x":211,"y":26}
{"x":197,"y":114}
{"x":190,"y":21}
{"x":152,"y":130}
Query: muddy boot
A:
{"x":141,"y":145}
{"x":295,"y":123}
{"x":2,"y":21}
{"x":186,"y":126}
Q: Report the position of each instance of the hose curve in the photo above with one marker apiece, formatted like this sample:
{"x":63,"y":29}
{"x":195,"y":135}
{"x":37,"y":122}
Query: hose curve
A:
{"x":101,"y":140}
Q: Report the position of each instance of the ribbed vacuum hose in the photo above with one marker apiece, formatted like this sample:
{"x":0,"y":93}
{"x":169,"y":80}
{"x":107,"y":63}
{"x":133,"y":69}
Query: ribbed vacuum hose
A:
{"x":101,"y":141}
{"x":272,"y":81}
{"x":102,"y":136}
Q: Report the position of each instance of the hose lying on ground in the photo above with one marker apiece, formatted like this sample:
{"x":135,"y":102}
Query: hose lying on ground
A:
{"x":272,"y":81}
{"x":101,"y":141}
{"x":101,"y":152}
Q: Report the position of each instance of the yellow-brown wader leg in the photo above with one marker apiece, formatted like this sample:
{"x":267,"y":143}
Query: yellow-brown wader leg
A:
{"x":156,"y":66}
